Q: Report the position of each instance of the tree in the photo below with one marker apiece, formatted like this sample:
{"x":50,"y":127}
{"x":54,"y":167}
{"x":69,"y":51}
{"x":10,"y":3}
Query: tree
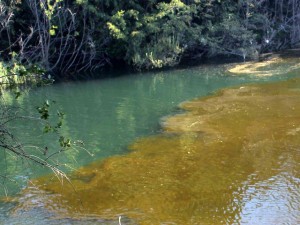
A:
{"x":67,"y":37}
{"x":151,"y":38}
{"x":65,"y":41}
{"x":43,"y":156}
{"x":282,"y":29}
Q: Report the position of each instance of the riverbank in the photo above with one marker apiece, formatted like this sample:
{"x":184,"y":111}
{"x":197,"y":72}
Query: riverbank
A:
{"x":14,"y":74}
{"x":269,"y":64}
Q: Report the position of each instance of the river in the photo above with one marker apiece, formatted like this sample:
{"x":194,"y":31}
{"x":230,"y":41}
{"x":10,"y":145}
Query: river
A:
{"x":132,"y":126}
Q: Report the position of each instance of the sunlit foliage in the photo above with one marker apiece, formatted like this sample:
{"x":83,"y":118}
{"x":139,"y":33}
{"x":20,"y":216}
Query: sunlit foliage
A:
{"x":75,"y":35}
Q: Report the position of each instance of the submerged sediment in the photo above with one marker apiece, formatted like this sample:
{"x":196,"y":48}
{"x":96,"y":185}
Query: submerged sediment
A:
{"x":200,"y":170}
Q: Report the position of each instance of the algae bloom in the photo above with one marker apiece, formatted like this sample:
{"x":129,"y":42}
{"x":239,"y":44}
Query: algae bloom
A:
{"x":231,"y":158}
{"x":275,"y":64}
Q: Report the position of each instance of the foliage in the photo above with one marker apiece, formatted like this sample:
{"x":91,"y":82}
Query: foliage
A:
{"x":74,"y":35}
{"x":13,"y":74}
{"x":152,"y":40}
{"x":46,"y":156}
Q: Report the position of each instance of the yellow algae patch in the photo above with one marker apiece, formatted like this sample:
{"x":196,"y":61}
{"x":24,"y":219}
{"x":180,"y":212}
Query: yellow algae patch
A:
{"x":255,"y":67}
{"x":279,"y":64}
{"x":198,"y":171}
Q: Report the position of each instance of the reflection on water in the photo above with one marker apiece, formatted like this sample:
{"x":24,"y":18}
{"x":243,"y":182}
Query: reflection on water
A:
{"x":275,"y":197}
{"x":232,"y":158}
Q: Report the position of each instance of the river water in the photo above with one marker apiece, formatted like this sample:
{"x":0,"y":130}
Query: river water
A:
{"x":152,"y":163}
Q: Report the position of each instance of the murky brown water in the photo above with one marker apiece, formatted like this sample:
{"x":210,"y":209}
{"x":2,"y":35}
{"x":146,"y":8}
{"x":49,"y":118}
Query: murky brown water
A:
{"x":232,"y":158}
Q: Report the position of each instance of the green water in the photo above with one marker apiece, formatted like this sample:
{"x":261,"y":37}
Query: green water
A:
{"x":110,"y":114}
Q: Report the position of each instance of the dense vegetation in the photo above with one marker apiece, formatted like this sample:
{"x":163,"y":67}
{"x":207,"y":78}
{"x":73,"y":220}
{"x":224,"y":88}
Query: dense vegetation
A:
{"x":68,"y":36}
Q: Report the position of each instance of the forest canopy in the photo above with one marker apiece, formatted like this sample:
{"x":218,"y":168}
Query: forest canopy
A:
{"x":69,"y":36}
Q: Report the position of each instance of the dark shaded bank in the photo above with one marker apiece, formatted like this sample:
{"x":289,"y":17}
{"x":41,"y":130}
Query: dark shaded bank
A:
{"x":123,"y":69}
{"x":66,"y":38}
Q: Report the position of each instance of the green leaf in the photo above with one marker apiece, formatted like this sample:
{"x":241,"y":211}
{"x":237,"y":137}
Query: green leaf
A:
{"x":52,"y":32}
{"x":47,"y":128}
{"x":59,"y":124}
{"x":17,"y":94}
{"x":64,"y":142}
{"x":60,"y":114}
